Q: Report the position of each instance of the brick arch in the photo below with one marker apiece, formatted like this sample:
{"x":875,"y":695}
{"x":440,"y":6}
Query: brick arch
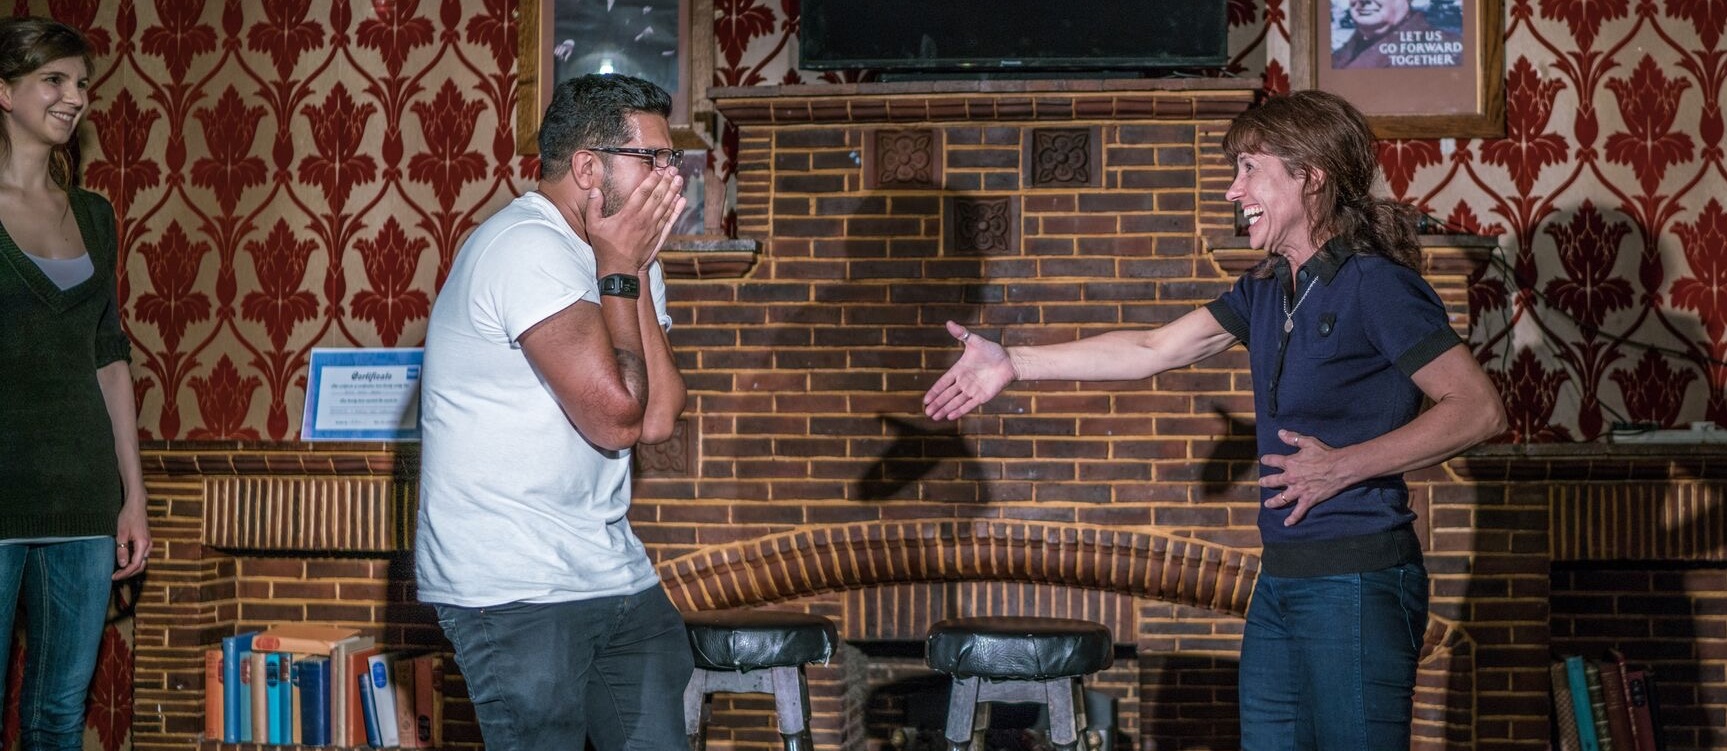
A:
{"x":1136,"y":562}
{"x":811,"y":561}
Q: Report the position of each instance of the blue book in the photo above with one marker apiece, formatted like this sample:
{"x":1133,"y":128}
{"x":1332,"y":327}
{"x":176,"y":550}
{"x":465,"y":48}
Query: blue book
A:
{"x":369,"y":710}
{"x":281,"y":692}
{"x":1575,"y":675}
{"x":249,"y":732}
{"x":313,"y":673}
{"x":233,"y":694}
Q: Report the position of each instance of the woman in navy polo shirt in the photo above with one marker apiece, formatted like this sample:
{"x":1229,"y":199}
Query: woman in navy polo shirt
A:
{"x":1344,"y":339}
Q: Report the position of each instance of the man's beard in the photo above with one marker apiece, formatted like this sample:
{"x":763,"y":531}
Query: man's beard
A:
{"x":611,"y":199}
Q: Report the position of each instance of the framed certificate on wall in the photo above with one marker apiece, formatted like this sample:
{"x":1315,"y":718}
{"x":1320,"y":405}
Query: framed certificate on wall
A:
{"x":363,"y":395}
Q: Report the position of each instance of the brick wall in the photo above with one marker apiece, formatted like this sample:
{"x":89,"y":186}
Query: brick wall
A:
{"x":805,"y":477}
{"x":1638,"y":567}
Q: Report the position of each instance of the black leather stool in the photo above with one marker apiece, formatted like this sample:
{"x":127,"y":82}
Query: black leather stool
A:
{"x":754,"y":651}
{"x":1038,"y":660}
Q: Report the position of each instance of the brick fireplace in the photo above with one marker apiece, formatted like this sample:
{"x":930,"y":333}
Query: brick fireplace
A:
{"x":805,"y":478}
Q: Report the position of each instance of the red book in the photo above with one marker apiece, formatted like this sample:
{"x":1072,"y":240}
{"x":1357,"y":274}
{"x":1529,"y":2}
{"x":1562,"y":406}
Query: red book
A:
{"x":402,"y":683}
{"x":357,"y":666}
{"x":1618,"y":712}
{"x":429,"y":700}
{"x":1638,"y":700}
{"x":213,"y":697}
{"x":303,"y":638}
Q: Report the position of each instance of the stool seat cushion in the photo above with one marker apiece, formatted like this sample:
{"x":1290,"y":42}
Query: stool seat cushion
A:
{"x":1017,"y":648}
{"x":756,"y":639}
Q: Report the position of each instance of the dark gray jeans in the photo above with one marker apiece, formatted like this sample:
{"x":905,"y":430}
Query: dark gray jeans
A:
{"x":543,"y":676}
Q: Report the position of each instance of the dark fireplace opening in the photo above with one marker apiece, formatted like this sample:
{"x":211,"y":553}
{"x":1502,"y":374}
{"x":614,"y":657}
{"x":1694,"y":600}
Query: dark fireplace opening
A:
{"x":907,"y":706}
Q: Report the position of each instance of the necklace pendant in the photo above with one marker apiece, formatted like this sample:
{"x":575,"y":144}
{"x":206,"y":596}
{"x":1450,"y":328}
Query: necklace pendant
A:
{"x":1288,"y":325}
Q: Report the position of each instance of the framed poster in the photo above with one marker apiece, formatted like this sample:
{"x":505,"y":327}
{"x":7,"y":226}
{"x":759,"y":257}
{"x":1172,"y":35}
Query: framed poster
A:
{"x":652,"y":39}
{"x":1416,"y":68}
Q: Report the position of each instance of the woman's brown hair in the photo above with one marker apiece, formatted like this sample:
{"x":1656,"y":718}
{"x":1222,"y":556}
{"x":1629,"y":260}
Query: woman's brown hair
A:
{"x":26,"y":44}
{"x":1319,"y":131}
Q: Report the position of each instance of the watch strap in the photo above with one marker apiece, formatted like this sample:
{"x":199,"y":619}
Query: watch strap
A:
{"x":621,"y":285}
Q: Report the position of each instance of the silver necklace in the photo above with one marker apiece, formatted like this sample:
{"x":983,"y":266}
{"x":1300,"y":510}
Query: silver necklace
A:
{"x":1289,"y":312}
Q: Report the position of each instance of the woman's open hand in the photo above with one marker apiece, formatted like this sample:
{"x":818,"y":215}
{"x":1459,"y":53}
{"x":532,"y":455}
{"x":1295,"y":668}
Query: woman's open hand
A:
{"x":981,"y":373}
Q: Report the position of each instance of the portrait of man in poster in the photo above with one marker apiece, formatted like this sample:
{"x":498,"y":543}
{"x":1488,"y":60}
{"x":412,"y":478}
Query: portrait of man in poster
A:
{"x":1396,"y":34}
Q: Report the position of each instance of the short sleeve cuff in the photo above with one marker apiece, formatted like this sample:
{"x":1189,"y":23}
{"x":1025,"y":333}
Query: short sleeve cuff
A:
{"x":1425,"y":351}
{"x":1227,"y":318}
{"x":112,"y":349}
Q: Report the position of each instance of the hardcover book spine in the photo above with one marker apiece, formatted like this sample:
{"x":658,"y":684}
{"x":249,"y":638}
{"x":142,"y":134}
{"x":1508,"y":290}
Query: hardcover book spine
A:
{"x":1618,"y":712}
{"x":215,"y":725}
{"x":402,"y":685}
{"x":315,"y":701}
{"x":1564,"y":717}
{"x":356,"y":686}
{"x":234,"y":649}
{"x":1598,"y":705}
{"x":282,"y":699}
{"x":247,"y":678}
{"x":429,"y":700}
{"x":383,"y":697}
{"x":368,"y":710}
{"x":1580,"y":704}
{"x":266,"y":715}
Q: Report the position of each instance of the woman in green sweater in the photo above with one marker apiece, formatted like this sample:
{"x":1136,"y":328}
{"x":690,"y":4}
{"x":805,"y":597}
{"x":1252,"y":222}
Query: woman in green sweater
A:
{"x":71,"y":486}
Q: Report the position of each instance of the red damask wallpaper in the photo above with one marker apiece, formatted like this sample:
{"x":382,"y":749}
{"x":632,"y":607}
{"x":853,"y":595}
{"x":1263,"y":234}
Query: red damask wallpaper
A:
{"x":299,"y":173}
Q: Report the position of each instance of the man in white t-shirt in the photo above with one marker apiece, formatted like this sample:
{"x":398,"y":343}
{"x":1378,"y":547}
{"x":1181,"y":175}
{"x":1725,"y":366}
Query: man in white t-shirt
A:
{"x":546,"y":361}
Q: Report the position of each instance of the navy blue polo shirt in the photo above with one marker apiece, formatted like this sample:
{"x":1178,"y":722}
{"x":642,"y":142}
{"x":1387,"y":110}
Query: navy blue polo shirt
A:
{"x":1362,"y":325}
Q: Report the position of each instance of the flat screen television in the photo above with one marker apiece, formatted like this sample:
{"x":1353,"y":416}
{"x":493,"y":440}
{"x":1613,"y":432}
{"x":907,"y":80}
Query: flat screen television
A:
{"x":990,"y":36}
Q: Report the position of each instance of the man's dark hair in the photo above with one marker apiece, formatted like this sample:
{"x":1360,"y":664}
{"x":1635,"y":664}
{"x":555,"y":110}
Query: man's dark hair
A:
{"x":594,"y":110}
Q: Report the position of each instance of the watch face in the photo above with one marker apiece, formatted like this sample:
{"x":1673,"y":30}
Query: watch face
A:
{"x":622,"y":285}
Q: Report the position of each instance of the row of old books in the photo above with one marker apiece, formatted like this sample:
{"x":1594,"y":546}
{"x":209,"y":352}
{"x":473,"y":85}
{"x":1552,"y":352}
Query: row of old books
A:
{"x":1605,"y":705}
{"x":319,"y":685}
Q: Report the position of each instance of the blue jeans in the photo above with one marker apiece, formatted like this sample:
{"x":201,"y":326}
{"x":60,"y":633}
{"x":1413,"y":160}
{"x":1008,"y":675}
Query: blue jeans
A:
{"x":1328,"y":662}
{"x":543,"y":676}
{"x":65,"y":599}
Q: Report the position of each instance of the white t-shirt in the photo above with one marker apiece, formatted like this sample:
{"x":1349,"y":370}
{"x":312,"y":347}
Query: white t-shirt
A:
{"x":515,"y":506}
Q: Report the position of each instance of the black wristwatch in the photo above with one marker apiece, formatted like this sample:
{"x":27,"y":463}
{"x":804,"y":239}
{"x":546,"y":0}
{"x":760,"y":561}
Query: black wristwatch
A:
{"x":621,"y":285}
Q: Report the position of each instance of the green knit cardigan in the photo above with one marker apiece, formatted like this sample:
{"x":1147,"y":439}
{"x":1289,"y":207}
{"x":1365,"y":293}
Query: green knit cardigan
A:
{"x":59,"y":474}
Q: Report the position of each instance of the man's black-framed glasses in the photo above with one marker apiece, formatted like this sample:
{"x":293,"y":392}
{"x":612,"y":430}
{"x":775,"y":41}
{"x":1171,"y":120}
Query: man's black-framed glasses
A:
{"x":660,"y":158}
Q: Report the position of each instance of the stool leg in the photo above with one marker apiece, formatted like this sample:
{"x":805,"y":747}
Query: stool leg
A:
{"x":695,"y":709}
{"x":1063,"y":723}
{"x":961,"y":706}
{"x":1088,"y":740}
{"x":792,"y":704}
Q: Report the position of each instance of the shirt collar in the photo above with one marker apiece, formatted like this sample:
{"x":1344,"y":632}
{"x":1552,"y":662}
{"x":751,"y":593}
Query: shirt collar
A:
{"x":1323,"y":264}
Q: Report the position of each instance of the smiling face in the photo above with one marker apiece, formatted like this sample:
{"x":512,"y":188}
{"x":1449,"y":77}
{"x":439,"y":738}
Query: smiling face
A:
{"x":45,"y":104}
{"x":626,"y":171}
{"x":1374,"y":16}
{"x":1274,"y":202}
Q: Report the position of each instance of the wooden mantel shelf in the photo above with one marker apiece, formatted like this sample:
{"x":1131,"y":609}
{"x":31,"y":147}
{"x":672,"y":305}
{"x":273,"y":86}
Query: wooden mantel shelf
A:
{"x":975,"y":101}
{"x":997,"y":87}
{"x":708,"y":257}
